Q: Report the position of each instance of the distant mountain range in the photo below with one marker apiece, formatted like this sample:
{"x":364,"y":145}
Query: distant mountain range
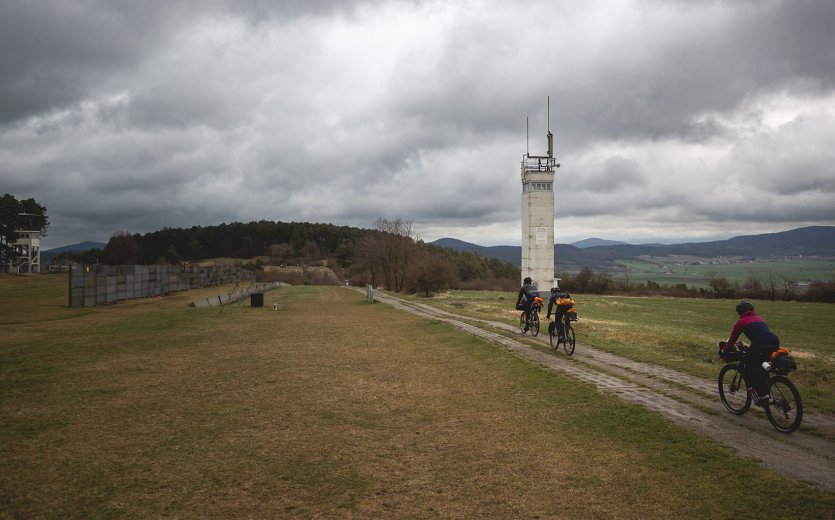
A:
{"x":807,"y":241}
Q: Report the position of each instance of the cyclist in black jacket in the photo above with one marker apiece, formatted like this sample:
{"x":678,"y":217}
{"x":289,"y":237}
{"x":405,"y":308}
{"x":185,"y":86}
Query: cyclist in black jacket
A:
{"x":525,"y":299}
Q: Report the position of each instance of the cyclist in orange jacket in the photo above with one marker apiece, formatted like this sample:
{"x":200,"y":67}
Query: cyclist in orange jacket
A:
{"x":556,"y":299}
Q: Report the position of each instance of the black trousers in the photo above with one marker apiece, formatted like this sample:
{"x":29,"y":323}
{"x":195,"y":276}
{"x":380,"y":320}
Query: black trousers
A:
{"x":753,"y":373}
{"x":557,"y":325}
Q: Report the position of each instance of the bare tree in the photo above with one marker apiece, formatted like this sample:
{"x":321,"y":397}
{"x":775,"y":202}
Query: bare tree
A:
{"x":753,"y":286}
{"x":395,"y":247}
{"x":625,"y":282}
{"x":583,"y":280}
{"x":771,"y":284}
{"x":789,"y":283}
{"x":430,"y":274}
{"x":720,"y":285}
{"x":367,"y":261}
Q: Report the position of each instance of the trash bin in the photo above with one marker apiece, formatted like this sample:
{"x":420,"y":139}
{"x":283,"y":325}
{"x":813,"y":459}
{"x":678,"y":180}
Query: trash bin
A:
{"x":256,"y":299}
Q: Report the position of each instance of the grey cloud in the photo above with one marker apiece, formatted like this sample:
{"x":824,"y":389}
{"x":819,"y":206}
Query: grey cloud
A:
{"x":795,"y":159}
{"x":699,"y":61}
{"x":58,"y":53}
{"x":617,"y":173}
{"x":168,"y":116}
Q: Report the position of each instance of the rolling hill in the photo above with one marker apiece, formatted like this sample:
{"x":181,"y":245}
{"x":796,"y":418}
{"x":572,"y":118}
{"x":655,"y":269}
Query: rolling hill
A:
{"x":807,"y":241}
{"x":49,"y":254}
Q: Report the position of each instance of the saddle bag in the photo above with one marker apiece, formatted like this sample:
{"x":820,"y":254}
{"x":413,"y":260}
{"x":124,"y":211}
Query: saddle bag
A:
{"x":783,"y":363}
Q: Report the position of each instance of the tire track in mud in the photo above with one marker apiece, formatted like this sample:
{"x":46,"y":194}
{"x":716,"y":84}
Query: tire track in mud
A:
{"x":686,"y":400}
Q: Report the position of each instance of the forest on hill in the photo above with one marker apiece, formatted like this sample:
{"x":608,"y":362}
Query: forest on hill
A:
{"x":387,"y":255}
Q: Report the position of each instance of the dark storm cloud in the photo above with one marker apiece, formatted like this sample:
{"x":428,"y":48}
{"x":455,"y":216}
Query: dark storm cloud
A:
{"x":665,"y":67}
{"x":137,"y":116}
{"x":57,"y":53}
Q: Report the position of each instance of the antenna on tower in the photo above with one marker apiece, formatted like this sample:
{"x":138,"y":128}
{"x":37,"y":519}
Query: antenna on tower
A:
{"x":550,"y":135}
{"x":527,"y":137}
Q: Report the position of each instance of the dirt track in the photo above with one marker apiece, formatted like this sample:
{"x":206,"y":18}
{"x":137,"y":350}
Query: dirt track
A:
{"x":688,"y":401}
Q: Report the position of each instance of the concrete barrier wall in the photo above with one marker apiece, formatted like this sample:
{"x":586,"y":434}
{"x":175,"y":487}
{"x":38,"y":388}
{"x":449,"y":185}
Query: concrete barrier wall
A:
{"x":99,"y":284}
{"x":236,"y":294}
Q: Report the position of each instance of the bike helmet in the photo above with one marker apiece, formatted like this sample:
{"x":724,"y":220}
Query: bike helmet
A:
{"x":527,"y":280}
{"x":743,"y":307}
{"x":555,"y":289}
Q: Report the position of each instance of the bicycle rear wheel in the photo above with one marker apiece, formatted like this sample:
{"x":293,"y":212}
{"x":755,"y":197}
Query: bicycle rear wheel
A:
{"x":733,"y":390}
{"x":535,"y":323}
{"x":570,"y":340}
{"x":522,"y":323}
{"x":784,"y":409}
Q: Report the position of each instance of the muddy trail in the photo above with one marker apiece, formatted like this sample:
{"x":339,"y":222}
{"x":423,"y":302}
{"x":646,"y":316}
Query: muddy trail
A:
{"x":691,"y":402}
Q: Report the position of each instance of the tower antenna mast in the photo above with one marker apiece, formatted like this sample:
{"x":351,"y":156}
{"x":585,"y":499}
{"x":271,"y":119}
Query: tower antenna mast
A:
{"x":527,"y":136}
{"x":550,"y":135}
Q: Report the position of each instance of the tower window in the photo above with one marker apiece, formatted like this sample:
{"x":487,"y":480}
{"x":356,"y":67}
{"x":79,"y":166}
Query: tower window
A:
{"x":537,"y":186}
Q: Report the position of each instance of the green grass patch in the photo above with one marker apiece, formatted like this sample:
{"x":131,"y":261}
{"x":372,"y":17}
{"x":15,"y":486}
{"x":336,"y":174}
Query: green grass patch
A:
{"x":682,"y":333}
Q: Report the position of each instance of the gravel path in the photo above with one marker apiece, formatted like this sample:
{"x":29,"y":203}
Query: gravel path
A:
{"x":688,"y":401}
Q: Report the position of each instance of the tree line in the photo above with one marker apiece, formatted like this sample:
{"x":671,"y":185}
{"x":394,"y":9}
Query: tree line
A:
{"x":387,"y":255}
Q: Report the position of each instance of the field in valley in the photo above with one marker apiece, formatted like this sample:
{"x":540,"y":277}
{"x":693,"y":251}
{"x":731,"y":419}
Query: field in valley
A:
{"x":677,"y":269}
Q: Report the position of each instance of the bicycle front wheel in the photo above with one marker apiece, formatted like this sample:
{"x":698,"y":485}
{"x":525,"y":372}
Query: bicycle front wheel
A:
{"x":522,"y":323}
{"x":784,"y":409}
{"x":570,"y":340}
{"x":733,"y":390}
{"x":535,"y":324}
{"x":553,"y":337}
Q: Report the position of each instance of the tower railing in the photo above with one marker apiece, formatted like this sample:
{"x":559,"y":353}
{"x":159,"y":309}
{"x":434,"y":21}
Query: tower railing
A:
{"x":538,"y":163}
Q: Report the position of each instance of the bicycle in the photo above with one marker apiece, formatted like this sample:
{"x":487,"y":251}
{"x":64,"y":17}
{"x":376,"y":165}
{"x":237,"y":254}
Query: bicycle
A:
{"x":783,"y":405}
{"x":569,"y":340}
{"x":533,"y":324}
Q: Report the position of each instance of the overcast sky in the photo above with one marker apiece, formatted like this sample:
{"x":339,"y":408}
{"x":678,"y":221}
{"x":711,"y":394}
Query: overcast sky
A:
{"x":673,"y":120}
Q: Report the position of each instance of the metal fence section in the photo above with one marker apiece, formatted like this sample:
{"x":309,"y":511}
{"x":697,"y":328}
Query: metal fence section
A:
{"x":99,"y":284}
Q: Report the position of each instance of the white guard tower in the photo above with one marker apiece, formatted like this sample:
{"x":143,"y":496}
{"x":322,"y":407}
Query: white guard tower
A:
{"x":538,"y":215}
{"x":28,"y":243}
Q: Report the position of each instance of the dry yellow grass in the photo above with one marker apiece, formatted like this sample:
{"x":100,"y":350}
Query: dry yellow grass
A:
{"x":330,"y":407}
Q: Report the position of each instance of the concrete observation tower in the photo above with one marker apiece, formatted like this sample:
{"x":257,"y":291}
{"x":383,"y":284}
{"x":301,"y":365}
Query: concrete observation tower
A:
{"x":538,"y":214}
{"x":28,"y":243}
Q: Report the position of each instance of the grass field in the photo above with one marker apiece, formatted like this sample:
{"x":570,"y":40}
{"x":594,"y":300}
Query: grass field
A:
{"x":330,"y":407}
{"x":683,"y":333}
